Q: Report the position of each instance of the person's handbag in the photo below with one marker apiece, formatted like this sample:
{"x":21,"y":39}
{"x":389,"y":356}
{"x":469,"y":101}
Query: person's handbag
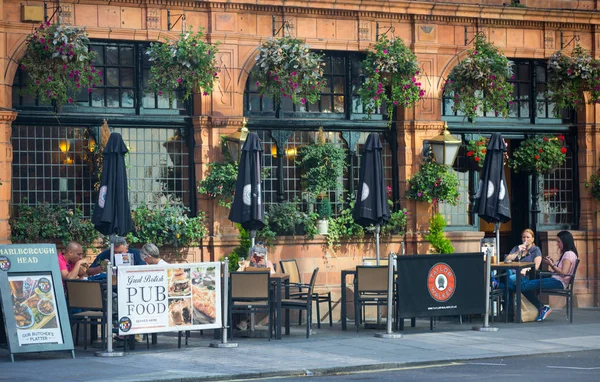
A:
{"x":529,"y":312}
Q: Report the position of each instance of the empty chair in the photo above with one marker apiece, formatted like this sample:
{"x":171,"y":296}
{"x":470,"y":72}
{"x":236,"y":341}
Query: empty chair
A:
{"x":566,"y":292}
{"x":319,"y":294}
{"x":370,"y":288}
{"x":303,"y":303}
{"x":249,"y":293}
{"x":372,"y":262}
{"x":88,"y":298}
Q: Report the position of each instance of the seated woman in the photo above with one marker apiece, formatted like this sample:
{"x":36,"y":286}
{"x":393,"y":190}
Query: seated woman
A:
{"x":526,"y":252}
{"x":563,"y":270}
{"x":151,"y":255}
{"x":257,"y":259}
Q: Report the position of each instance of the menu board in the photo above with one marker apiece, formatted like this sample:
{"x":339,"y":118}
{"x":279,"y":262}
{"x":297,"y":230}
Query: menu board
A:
{"x":174,"y":297}
{"x":34,"y":307}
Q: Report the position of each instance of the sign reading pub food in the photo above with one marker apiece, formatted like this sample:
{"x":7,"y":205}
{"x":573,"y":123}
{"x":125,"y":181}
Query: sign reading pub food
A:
{"x":33,"y":299}
{"x":174,"y":297}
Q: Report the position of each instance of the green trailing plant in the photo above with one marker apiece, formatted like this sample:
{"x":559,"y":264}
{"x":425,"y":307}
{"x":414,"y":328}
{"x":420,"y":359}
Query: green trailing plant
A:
{"x":286,"y":68}
{"x":480,"y":81}
{"x":343,"y":227}
{"x":322,"y":165}
{"x":390,"y":69}
{"x":51,"y":222}
{"x":309,"y":221}
{"x":166,"y":224}
{"x":397,"y":223}
{"x":433,"y":183}
{"x":436,"y":238}
{"x":324,"y":209}
{"x":219,"y":182}
{"x":539,"y":154}
{"x":570,"y":76}
{"x":188,"y":63}
{"x":594,"y":185}
{"x":58,"y":62}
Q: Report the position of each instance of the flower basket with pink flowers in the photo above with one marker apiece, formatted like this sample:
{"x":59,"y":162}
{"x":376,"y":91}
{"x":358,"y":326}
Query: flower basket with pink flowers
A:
{"x":58,"y":62}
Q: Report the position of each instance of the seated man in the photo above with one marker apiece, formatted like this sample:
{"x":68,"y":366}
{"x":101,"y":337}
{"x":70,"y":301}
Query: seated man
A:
{"x":121,"y":247}
{"x":71,"y":263}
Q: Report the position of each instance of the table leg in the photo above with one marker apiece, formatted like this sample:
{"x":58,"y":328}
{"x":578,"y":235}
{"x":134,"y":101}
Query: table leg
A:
{"x":287,"y":311}
{"x":278,"y":319}
{"x":518,"y":297}
{"x":343,"y":313}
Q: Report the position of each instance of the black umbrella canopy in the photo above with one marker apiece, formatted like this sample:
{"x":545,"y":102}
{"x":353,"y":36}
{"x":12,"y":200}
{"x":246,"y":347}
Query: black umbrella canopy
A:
{"x":491,"y":201}
{"x":247,"y":207}
{"x":371,"y":206}
{"x":112,"y":214}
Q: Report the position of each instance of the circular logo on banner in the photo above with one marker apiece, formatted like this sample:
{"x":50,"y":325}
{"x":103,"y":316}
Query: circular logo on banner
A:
{"x":365,"y":192}
{"x":125,"y":324}
{"x":102,"y":196}
{"x":4,"y":263}
{"x":247,"y":195}
{"x":441,"y":282}
{"x":44,"y":284}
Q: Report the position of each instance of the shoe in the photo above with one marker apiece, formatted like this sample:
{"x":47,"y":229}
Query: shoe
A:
{"x":544,"y":313}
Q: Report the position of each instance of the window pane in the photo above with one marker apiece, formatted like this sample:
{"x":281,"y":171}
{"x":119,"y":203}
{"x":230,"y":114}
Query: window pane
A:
{"x":338,"y":65}
{"x":112,"y":77}
{"x":112,"y":97}
{"x":98,"y":97}
{"x":524,"y":91}
{"x":339,"y":104}
{"x":112,"y":55}
{"x":127,"y":78}
{"x":148,"y":100}
{"x":127,"y":56}
{"x":326,"y":104}
{"x":523,"y":74}
{"x":524,"y":109}
{"x":127,"y":98}
{"x":338,"y":85}
{"x":99,"y":49}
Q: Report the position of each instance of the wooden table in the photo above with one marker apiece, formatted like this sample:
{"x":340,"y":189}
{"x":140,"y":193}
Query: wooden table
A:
{"x":517,"y":267}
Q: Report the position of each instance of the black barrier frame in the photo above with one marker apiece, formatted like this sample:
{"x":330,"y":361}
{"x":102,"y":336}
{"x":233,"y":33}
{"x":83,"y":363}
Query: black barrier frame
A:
{"x":465,"y":276}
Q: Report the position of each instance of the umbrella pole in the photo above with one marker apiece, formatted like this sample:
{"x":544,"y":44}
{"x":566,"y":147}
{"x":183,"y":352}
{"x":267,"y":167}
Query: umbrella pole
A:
{"x":377,"y":230}
{"x":488,"y":274}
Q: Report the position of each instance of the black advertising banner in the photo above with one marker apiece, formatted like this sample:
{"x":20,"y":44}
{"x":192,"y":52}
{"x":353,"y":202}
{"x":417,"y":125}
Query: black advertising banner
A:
{"x":34,"y":307}
{"x":441,"y":285}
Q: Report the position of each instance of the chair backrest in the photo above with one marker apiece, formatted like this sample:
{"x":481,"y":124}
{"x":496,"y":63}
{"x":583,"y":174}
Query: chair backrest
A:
{"x":250,"y":285}
{"x":290,"y":268}
{"x":85,"y":294}
{"x":572,"y":277}
{"x":372,"y":262}
{"x":371,"y":279}
{"x":257,"y":269}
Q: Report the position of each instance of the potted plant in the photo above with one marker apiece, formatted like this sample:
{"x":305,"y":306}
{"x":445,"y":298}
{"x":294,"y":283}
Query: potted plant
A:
{"x":433,"y":183}
{"x":539,"y":154}
{"x":286,"y":68}
{"x":571,"y":76}
{"x":324,"y":213}
{"x":188,"y":63}
{"x":322,"y":165}
{"x":343,"y":226}
{"x":436,"y":237}
{"x":480,"y":81}
{"x":390,"y":70}
{"x":59,"y":63}
{"x":167,"y":225}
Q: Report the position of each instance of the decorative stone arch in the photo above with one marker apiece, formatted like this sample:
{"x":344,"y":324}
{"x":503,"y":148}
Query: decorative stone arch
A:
{"x":245,"y":70}
{"x":12,"y":63}
{"x":447,"y":69}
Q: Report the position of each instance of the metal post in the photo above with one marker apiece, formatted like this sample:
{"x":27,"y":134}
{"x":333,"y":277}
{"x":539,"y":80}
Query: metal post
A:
{"x":225,"y":299}
{"x":377,"y":230}
{"x":109,"y":313}
{"x":390,"y":298}
{"x":488,"y":270}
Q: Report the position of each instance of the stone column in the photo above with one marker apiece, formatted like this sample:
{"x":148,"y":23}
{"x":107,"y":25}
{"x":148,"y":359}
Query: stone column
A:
{"x":6,"y":119}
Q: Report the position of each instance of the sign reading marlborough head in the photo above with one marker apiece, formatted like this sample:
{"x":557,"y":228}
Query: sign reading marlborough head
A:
{"x":33,"y":300}
{"x":174,"y":297}
{"x":441,"y":285}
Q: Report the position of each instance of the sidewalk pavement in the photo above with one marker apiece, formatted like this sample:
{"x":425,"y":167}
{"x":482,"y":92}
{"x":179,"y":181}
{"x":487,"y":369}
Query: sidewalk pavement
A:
{"x":328,"y":350}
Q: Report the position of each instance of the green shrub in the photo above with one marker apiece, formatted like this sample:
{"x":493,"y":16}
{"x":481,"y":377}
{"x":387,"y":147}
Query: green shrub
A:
{"x":439,"y":242}
{"x":282,"y":218}
{"x":324,"y":209}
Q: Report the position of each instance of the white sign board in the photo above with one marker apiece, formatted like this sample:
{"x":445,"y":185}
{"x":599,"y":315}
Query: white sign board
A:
{"x":173,"y":297}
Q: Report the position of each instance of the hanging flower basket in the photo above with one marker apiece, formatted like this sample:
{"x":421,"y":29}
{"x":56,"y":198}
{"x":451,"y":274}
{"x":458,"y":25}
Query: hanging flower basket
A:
{"x":59,"y":63}
{"x":539,"y":154}
{"x":594,"y":185}
{"x":433,"y":183}
{"x":480,"y":81}
{"x":571,"y":76}
{"x":476,"y":150}
{"x":390,"y":69}
{"x":286,"y":68}
{"x":187,"y":64}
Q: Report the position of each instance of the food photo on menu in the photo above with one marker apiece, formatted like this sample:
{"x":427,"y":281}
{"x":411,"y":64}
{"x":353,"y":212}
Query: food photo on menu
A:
{"x":204,"y":296}
{"x":179,"y":282}
{"x":33,"y":301}
{"x":180,"y":312}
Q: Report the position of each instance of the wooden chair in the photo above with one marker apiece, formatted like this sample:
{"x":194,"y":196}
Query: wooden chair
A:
{"x":567,"y":292}
{"x":303,"y":303}
{"x":290,"y":268}
{"x":249,"y":293}
{"x":87,"y":298}
{"x":370,"y":289}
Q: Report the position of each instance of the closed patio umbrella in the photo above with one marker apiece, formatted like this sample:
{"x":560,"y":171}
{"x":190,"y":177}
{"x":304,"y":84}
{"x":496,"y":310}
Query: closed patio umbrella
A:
{"x":371,"y":207}
{"x":491,"y":200}
{"x":247,"y":207}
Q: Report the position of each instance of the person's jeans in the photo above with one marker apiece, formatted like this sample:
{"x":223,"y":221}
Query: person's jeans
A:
{"x":529,"y":288}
